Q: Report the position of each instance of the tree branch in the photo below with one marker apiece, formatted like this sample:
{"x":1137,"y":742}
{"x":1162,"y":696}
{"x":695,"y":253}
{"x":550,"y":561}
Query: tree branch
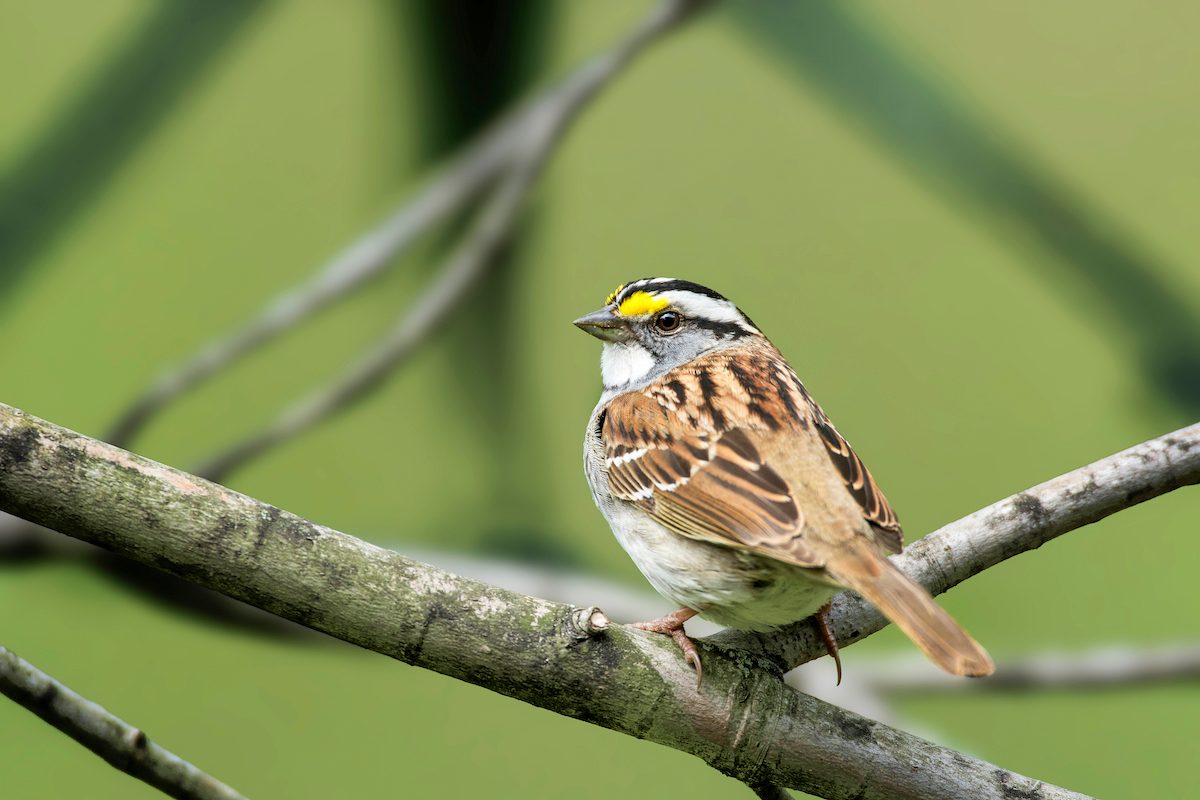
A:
{"x":527,"y":134}
{"x":1106,"y":667}
{"x":111,"y":738}
{"x":1023,"y":522}
{"x":622,"y":602}
{"x":746,"y":722}
{"x":361,"y":260}
{"x":517,"y":147}
{"x":540,"y":129}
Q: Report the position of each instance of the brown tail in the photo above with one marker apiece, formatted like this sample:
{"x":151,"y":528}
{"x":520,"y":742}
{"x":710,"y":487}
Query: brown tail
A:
{"x":912,"y":608}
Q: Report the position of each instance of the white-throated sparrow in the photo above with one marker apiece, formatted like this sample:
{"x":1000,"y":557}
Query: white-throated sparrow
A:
{"x":727,"y":484}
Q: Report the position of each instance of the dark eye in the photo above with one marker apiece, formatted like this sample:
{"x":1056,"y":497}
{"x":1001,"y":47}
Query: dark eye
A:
{"x":667,"y":322}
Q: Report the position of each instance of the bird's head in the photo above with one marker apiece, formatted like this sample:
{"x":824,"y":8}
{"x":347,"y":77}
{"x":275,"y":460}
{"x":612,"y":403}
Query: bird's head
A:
{"x":652,"y":325}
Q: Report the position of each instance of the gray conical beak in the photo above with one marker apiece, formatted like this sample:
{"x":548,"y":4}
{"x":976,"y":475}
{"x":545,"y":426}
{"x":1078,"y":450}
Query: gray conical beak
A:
{"x":605,"y":325}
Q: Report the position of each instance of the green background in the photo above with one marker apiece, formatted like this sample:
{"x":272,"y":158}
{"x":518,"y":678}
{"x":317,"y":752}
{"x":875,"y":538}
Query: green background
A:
{"x":955,"y":351}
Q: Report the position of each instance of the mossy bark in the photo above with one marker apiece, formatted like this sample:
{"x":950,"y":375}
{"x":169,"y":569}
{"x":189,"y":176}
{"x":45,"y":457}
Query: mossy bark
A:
{"x":745,"y":721}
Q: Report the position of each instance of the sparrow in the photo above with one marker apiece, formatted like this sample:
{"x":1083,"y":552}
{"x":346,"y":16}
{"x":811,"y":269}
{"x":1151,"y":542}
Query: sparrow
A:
{"x":730,"y":488}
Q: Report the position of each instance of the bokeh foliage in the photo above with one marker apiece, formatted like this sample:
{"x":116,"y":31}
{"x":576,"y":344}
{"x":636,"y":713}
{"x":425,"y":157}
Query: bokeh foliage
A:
{"x":964,"y":364}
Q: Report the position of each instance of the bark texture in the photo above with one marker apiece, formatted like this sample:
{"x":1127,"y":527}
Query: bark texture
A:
{"x":745,"y":722}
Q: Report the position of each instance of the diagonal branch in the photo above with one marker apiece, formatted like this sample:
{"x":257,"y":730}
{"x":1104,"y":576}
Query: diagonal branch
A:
{"x":111,"y":738}
{"x":520,"y":142}
{"x":118,"y":106}
{"x":428,"y":312}
{"x":363,"y":259}
{"x":1018,"y":524}
{"x":746,"y":722}
{"x":966,"y":154}
{"x":529,"y":147}
{"x":516,"y":147}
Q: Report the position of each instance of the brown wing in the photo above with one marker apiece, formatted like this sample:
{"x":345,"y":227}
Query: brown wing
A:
{"x":698,"y":451}
{"x":690,"y":456}
{"x":859,"y":481}
{"x":735,"y":452}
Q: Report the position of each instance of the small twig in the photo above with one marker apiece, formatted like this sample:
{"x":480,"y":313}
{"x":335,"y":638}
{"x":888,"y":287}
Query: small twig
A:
{"x":541,"y":130}
{"x":1018,"y":524}
{"x":586,"y":623}
{"x":120,"y":744}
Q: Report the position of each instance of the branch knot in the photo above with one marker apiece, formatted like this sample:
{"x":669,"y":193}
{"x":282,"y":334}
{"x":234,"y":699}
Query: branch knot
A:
{"x":586,"y":623}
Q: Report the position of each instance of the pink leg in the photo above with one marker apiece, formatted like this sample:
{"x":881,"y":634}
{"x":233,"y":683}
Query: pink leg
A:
{"x":672,"y":625}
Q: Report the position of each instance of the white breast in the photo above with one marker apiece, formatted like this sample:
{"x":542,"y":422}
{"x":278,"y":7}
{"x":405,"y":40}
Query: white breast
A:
{"x":729,"y":587}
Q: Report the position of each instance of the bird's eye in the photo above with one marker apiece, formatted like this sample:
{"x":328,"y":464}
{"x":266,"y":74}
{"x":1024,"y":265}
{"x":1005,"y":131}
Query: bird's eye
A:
{"x":667,"y":322}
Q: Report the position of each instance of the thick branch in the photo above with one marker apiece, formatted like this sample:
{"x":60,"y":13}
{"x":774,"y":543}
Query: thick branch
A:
{"x":510,"y":153}
{"x":745,"y":722}
{"x":1112,"y":666}
{"x":111,"y":738}
{"x":1023,"y":522}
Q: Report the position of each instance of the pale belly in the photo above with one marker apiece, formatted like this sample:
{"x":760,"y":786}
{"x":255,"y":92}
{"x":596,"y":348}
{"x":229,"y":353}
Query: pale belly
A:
{"x":733,"y":588}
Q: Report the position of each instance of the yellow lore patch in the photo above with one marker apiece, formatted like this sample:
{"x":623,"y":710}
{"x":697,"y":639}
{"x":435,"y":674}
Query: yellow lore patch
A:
{"x":640,"y":303}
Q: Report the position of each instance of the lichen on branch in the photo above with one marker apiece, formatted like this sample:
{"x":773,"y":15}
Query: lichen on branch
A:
{"x":746,"y":722}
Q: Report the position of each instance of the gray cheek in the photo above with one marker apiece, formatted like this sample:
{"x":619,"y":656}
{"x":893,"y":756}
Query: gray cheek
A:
{"x":648,"y":339}
{"x":668,"y":348}
{"x":686,"y":345}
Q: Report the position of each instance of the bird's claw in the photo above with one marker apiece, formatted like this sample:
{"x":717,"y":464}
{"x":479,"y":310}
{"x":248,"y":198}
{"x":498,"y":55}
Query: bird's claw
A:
{"x":672,"y":625}
{"x":821,"y":620}
{"x":690,"y":653}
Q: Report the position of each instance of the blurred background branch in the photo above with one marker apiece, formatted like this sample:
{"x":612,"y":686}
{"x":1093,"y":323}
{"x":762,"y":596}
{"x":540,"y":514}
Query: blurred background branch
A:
{"x":533,"y":138}
{"x":163,"y":170}
{"x":85,"y":145}
{"x":1108,"y":667}
{"x":948,"y":144}
{"x":364,"y":258}
{"x":474,"y":60}
{"x":497,"y":171}
{"x":1112,"y":666}
{"x":873,"y":685}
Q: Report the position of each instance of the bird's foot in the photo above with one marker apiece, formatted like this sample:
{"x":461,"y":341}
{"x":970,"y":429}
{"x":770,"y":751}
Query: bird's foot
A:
{"x":821,"y":620}
{"x":672,"y":625}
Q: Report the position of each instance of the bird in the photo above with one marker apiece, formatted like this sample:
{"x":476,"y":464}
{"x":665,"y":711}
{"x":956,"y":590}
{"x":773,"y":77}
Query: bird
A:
{"x":730,"y":488}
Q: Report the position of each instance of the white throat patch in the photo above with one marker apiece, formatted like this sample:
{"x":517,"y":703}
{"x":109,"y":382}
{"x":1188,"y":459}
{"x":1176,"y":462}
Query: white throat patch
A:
{"x":624,"y":363}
